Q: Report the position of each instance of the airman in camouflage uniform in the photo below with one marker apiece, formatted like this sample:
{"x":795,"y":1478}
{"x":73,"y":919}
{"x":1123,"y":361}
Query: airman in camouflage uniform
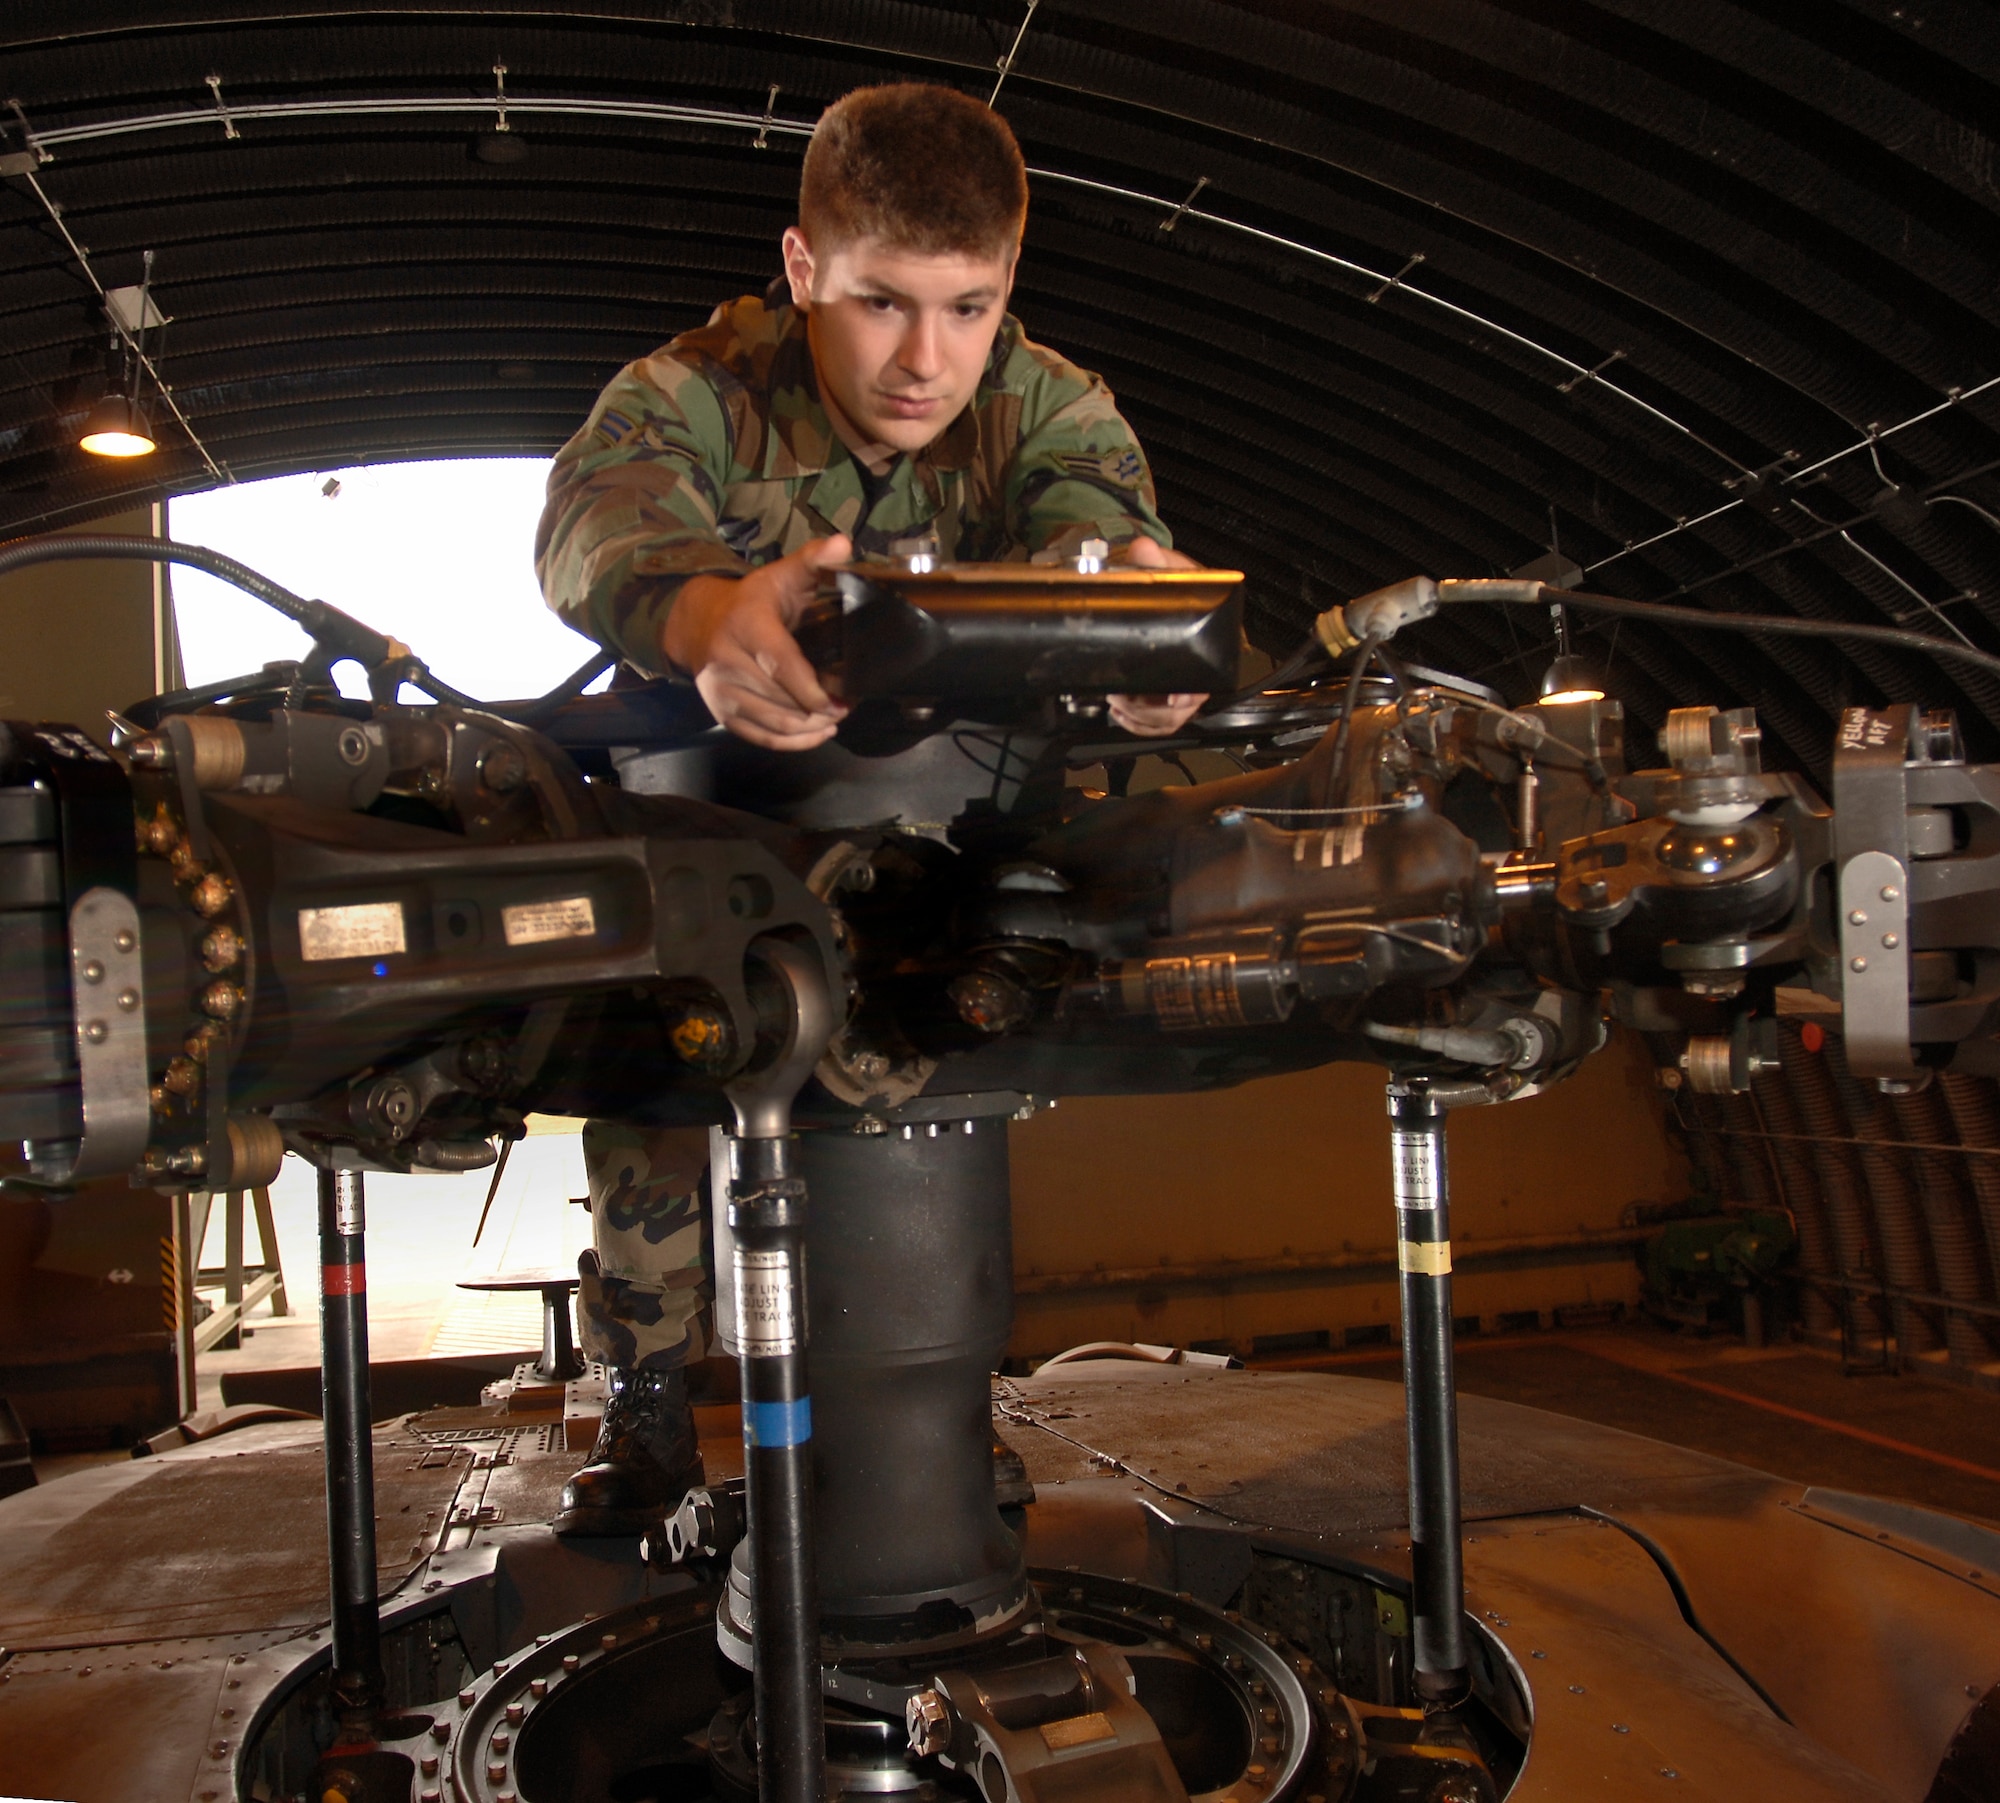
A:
{"x":715,"y":455}
{"x":718,"y":456}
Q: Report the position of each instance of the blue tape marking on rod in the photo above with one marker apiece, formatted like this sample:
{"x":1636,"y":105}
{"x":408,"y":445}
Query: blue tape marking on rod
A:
{"x":778,"y":1423}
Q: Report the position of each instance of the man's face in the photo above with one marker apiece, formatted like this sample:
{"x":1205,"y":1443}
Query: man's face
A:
{"x":900,"y":340}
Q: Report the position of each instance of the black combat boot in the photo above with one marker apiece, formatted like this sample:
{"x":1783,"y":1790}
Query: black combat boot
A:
{"x":644,"y":1462}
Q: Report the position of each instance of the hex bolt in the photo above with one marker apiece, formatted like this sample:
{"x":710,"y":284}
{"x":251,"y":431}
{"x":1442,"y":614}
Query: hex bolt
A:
{"x":210,"y":896}
{"x":503,"y":769}
{"x":927,"y":1716}
{"x":220,"y":948}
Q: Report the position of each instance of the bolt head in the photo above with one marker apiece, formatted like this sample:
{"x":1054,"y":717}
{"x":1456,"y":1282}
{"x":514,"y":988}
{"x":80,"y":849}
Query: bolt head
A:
{"x":1891,"y":893}
{"x":1858,"y":917}
{"x":96,"y":1032}
{"x":93,"y":972}
{"x":927,"y":1716}
{"x":1890,"y":941}
{"x":1857,"y":964}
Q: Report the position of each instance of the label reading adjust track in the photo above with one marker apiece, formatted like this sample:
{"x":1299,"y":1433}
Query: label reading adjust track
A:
{"x":1414,"y":1168}
{"x":766,"y":1303}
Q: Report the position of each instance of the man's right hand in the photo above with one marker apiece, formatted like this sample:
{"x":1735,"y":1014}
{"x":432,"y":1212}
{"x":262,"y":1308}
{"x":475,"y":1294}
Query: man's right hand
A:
{"x":735,"y":635}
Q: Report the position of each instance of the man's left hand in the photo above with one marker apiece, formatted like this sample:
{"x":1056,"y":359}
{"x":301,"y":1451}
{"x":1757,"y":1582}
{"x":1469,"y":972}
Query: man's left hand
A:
{"x":1154,"y":716}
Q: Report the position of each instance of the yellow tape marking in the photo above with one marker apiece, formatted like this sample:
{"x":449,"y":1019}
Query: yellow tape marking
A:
{"x":1427,"y":1258}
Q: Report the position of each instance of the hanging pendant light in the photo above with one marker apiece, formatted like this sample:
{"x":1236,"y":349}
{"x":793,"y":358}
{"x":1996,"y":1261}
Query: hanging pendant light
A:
{"x":117,"y":427}
{"x":1570,"y":679}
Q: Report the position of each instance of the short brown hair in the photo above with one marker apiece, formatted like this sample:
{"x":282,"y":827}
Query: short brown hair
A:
{"x":921,"y":168}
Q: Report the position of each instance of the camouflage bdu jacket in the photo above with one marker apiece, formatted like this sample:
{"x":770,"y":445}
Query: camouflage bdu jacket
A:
{"x":715,"y":455}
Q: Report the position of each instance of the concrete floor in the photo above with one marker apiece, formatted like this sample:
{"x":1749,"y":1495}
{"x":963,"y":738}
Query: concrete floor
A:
{"x":1785,"y":1409}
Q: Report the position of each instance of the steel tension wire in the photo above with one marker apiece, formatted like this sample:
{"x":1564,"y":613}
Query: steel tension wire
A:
{"x":1780,"y":625}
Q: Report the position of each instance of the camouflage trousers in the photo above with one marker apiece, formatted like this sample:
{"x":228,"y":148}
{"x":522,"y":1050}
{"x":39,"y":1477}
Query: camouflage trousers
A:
{"x":647,"y":1295}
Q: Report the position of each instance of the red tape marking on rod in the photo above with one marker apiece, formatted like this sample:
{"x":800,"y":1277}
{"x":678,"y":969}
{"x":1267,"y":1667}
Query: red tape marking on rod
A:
{"x":343,"y":1280}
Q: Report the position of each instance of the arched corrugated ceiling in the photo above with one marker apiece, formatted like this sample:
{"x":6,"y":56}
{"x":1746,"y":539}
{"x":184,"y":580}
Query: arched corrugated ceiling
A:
{"x":1678,"y":283}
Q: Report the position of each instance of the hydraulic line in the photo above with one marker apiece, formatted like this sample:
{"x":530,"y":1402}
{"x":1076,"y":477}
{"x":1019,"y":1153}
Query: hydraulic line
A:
{"x":1703,"y":1146}
{"x":1800,"y":1191}
{"x":1809,"y":1085}
{"x":1975,"y":1116}
{"x":338,"y":634}
{"x":1955,"y":1247}
{"x":1899,"y":1228}
{"x":1745,"y":1154}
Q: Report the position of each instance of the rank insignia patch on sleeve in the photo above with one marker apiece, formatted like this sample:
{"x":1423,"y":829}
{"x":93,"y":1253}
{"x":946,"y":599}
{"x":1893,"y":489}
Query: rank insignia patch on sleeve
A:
{"x":1122,"y":468}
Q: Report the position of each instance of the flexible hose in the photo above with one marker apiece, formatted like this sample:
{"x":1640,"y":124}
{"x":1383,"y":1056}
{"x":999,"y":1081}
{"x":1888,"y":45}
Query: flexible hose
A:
{"x":19,"y":553}
{"x":571,"y":686}
{"x":1799,"y":1188}
{"x":337,"y":633}
{"x":1809,"y":1083}
{"x":1955,"y":1247}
